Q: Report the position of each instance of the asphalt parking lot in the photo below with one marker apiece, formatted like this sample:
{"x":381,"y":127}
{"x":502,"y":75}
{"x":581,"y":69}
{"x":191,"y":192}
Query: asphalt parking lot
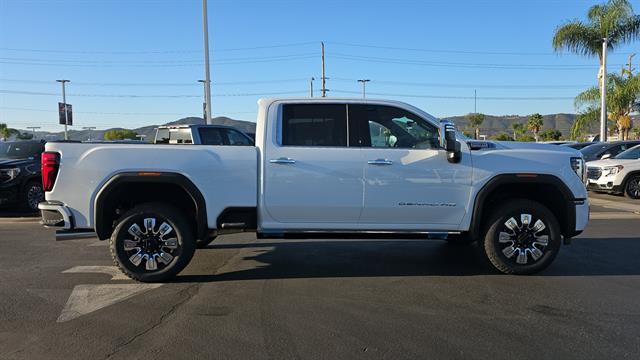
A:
{"x":244,"y":298}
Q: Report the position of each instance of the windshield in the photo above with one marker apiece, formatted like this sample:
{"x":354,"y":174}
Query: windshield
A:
{"x":593,"y":150}
{"x":631,"y":154}
{"x":19,"y":150}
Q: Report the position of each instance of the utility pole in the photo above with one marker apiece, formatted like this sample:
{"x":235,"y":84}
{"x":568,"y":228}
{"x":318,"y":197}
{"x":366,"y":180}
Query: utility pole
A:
{"x":603,"y":94}
{"x":324,"y":89}
{"x":364,"y":83}
{"x":311,"y":86}
{"x":204,"y":103}
{"x":475,"y":101}
{"x":630,"y":69}
{"x":64,"y":101}
{"x":90,"y":128}
{"x":33,"y":130}
{"x":207,"y":79}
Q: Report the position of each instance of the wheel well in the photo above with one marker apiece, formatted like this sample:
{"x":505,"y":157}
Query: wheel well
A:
{"x":553,"y":195}
{"x":627,"y":177}
{"x":125,"y":192}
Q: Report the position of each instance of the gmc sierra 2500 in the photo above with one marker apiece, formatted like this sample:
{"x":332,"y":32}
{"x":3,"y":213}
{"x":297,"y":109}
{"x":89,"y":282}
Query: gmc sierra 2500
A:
{"x":319,"y":166}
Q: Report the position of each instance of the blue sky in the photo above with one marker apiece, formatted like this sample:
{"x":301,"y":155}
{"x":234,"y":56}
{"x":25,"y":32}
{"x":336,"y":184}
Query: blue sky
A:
{"x":136,"y":62}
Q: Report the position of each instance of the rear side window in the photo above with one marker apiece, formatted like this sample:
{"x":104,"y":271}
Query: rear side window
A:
{"x":210,"y":136}
{"x":314,"y":125}
{"x":237,"y":139}
{"x":180,"y":136}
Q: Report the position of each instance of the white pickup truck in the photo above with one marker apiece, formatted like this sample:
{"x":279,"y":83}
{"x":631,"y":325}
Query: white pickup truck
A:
{"x":339,"y":167}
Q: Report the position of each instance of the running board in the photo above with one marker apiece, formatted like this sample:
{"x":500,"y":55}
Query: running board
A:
{"x":62,"y":235}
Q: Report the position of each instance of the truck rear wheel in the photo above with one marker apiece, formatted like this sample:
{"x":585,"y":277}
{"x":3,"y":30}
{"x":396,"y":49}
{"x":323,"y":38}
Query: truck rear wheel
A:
{"x":522,"y":237}
{"x":152,"y":242}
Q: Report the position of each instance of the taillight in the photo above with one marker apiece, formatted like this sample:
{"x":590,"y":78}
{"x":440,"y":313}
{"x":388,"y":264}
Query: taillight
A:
{"x":50,"y":164}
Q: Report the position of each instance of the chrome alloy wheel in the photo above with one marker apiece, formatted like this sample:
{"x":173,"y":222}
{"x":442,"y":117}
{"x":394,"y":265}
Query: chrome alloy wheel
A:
{"x":524,"y":239}
{"x":152,"y":248}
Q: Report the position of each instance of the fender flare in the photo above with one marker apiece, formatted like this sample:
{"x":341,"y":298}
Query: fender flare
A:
{"x":568,"y":229}
{"x":104,"y":230}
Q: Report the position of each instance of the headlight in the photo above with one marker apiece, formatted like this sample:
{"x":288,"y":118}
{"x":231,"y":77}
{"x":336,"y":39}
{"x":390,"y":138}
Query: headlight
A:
{"x":8,"y":174}
{"x":577,"y":164}
{"x":612,"y":170}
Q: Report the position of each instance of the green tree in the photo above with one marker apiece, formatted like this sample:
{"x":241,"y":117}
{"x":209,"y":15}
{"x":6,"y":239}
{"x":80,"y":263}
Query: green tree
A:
{"x":534,"y":124}
{"x":518,"y":130}
{"x":475,"y":120}
{"x":502,"y":137}
{"x":636,"y":132}
{"x":613,"y":20}
{"x":6,"y":132}
{"x":550,"y":135}
{"x":526,"y":138}
{"x":622,"y":93}
{"x":120,"y":134}
{"x":24,"y":136}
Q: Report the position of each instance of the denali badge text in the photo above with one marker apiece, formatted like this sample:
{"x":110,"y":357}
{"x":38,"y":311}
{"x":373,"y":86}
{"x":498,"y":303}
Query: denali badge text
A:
{"x":441,"y":204}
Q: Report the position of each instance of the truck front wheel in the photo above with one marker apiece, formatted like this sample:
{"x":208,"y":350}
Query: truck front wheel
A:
{"x":522,"y":237}
{"x":152,"y":242}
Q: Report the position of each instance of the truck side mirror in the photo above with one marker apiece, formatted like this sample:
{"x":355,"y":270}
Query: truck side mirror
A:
{"x":451,"y":145}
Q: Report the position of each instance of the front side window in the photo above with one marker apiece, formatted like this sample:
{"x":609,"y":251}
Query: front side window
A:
{"x":314,"y":125}
{"x":390,"y":127}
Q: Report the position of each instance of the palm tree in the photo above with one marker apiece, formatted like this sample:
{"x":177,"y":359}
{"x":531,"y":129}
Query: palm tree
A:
{"x":475,"y":120}
{"x":535,"y":124}
{"x":6,"y":132}
{"x":622,"y":93}
{"x":613,"y":20}
{"x":518,"y":129}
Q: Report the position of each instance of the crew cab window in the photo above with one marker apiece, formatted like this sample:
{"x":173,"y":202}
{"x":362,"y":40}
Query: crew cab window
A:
{"x":210,"y":136}
{"x":236,"y":139}
{"x":390,"y":127}
{"x":314,"y":125}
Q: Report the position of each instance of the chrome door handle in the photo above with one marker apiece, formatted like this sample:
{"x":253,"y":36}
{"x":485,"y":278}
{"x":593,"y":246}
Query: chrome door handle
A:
{"x":282,"y":160}
{"x":380,"y":162}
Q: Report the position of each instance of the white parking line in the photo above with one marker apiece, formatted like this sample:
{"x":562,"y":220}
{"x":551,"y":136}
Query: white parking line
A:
{"x":85,"y":299}
{"x":115,"y":273}
{"x":622,"y":215}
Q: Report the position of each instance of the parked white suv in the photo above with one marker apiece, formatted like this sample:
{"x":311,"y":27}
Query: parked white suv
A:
{"x":320,"y":166}
{"x":620,"y":174}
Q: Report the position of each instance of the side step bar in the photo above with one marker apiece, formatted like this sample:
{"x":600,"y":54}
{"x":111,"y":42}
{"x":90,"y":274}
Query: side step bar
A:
{"x":62,"y":235}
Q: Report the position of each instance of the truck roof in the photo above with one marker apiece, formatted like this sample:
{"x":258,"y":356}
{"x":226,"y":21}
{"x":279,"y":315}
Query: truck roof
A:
{"x":187,"y":126}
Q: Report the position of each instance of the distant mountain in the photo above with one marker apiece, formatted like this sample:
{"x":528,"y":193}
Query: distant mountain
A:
{"x":494,"y":125}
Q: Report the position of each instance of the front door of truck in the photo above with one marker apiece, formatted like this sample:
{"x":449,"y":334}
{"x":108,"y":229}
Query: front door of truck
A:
{"x":311,"y":175}
{"x":408,"y":179}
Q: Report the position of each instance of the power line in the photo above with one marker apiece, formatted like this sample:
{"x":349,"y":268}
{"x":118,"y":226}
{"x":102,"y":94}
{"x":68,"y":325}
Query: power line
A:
{"x":191,"y":84}
{"x":459,"y":97}
{"x":17,"y":92}
{"x":444,"y":51}
{"x":473,"y":86}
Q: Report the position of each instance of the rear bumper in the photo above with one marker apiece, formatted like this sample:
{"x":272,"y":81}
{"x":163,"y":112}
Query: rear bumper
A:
{"x":55,"y":215}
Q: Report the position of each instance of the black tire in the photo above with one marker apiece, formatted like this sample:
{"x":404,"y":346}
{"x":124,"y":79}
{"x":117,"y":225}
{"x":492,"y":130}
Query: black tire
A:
{"x":201,"y":244}
{"x":632,"y":187}
{"x":127,"y":249}
{"x":506,"y":255}
{"x":32,"y":195}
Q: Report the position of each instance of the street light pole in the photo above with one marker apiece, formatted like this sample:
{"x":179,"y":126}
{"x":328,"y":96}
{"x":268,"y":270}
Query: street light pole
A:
{"x":33,"y":129}
{"x":311,"y":86}
{"x":603,"y":94}
{"x":64,"y":102}
{"x":207,"y":79}
{"x":204,"y":107}
{"x":90,"y":128}
{"x":364,"y":83}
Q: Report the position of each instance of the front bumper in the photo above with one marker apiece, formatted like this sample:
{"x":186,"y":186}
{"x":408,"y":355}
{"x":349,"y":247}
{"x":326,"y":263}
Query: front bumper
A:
{"x":55,"y":215}
{"x":607,"y":187}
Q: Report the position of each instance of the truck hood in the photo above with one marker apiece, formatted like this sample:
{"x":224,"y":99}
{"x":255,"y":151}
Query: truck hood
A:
{"x":515,"y":145}
{"x":609,"y":162}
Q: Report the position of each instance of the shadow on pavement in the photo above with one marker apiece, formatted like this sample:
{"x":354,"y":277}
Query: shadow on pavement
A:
{"x":11,"y":213}
{"x":375,"y":258}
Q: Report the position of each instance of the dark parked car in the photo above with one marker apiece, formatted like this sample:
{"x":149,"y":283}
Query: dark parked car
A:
{"x":20,"y":179}
{"x":578,"y":146}
{"x":606,"y":150}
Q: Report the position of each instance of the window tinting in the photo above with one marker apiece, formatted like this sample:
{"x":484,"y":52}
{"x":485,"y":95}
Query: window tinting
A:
{"x":237,"y":139}
{"x":314,"y":125}
{"x":210,"y":136}
{"x":390,"y":127}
